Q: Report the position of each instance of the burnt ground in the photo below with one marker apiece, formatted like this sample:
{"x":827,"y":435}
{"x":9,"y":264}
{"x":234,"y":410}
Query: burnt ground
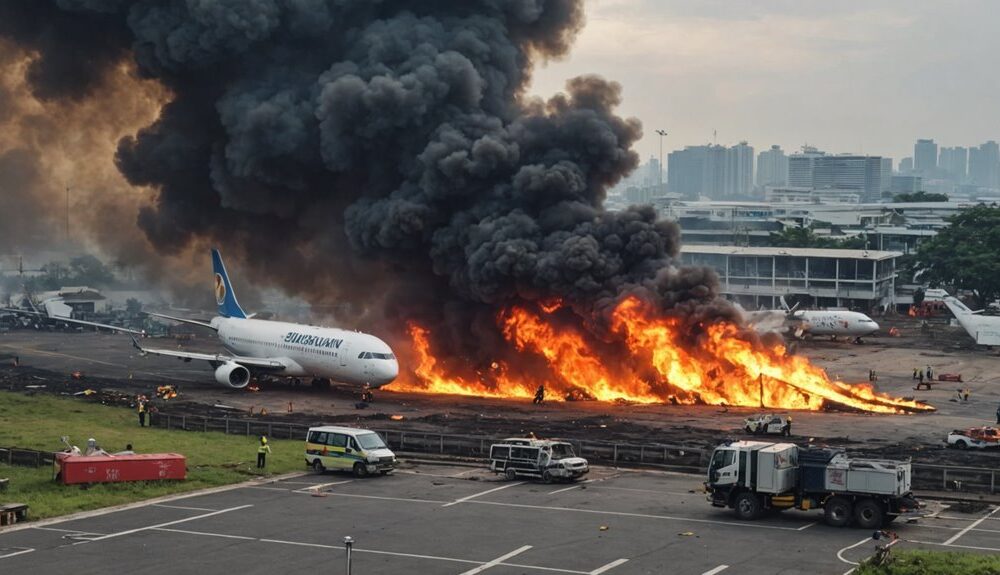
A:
{"x":116,"y":373}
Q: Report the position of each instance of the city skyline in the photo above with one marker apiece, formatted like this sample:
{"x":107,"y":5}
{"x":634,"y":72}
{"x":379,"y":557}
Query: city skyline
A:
{"x":759,"y":72}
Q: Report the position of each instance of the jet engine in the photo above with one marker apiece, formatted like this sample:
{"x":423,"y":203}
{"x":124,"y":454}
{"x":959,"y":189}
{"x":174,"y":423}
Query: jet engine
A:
{"x":232,"y":374}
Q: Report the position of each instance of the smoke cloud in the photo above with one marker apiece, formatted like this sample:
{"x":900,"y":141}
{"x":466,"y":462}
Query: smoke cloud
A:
{"x":383,"y":153}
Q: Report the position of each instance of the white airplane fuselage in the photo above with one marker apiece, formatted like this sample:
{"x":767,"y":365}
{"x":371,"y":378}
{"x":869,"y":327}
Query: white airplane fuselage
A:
{"x":984,"y":329}
{"x":833,"y":323}
{"x":311,"y":351}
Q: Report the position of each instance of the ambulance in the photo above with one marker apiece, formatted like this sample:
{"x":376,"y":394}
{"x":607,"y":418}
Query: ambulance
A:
{"x":360,"y":451}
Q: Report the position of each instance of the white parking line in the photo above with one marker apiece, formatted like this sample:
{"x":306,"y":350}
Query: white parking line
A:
{"x":608,"y":567}
{"x":169,"y":523}
{"x":849,"y":547}
{"x":496,"y":561}
{"x":718,"y":569}
{"x":598,"y":571}
{"x":564,"y":489}
{"x":334,"y":494}
{"x":316,"y":487}
{"x":73,"y":531}
{"x":997,"y":549}
{"x":643,"y":515}
{"x":204,"y":534}
{"x":970,"y":527}
{"x":481,"y":493}
{"x":183,"y":507}
{"x":22,"y":551}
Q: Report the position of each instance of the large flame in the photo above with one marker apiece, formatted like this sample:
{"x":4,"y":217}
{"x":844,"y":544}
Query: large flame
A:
{"x":651,"y":359}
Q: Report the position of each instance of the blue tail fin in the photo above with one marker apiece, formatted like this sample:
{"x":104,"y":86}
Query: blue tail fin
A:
{"x":224,"y":295}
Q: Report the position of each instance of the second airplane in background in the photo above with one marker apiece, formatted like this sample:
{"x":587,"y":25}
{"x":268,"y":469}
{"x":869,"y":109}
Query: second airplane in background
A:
{"x":801,"y":323}
{"x":283,"y":349}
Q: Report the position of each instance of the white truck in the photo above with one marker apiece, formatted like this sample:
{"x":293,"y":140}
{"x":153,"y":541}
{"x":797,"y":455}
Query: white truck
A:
{"x":752,"y":477}
{"x":975,"y":437}
{"x":538,"y":458}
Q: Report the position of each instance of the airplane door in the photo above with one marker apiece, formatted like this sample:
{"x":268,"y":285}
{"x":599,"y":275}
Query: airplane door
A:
{"x":345,"y":351}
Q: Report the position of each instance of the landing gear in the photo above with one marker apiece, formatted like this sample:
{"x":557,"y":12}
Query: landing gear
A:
{"x":321,"y":383}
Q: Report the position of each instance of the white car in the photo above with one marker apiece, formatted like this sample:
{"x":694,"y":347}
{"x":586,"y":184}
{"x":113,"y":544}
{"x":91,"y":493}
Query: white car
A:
{"x":766,"y":424}
{"x":977,"y":437}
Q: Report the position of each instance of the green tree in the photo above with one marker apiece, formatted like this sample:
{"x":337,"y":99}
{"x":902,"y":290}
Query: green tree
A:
{"x":920,"y":197}
{"x":791,"y":237}
{"x":965,"y":254}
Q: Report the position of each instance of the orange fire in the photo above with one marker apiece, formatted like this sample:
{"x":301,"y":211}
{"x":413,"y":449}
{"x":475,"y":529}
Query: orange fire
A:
{"x":659,"y":361}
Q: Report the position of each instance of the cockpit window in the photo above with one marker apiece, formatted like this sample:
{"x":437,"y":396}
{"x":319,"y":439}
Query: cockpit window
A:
{"x":375,"y":355}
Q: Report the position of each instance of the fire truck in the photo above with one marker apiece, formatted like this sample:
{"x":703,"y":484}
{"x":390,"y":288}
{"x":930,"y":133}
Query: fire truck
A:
{"x":753,"y":477}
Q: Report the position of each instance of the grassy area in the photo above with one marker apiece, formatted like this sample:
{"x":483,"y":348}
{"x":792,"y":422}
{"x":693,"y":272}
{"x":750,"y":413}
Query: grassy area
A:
{"x":37,"y":422}
{"x":917,"y":562}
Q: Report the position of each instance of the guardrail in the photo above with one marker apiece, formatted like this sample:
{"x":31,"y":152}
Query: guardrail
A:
{"x":678,"y":457}
{"x":26,"y":457}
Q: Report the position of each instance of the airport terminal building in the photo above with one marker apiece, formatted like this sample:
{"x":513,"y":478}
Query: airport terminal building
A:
{"x":862,"y":280}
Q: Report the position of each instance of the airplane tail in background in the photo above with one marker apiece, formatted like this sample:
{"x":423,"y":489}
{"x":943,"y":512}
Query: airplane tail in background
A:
{"x":224,"y":295}
{"x":956,"y":306}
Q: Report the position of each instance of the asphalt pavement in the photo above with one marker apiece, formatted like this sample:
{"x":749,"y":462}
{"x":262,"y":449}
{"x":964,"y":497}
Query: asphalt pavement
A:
{"x":459,"y":520}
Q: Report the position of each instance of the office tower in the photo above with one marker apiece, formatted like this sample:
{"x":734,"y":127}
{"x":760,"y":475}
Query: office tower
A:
{"x":925,"y":153}
{"x":906,"y":165}
{"x":984,"y":165}
{"x":772,"y":167}
{"x":738,"y":171}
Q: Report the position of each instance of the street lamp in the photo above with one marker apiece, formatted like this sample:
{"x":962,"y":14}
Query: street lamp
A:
{"x":659,"y":176}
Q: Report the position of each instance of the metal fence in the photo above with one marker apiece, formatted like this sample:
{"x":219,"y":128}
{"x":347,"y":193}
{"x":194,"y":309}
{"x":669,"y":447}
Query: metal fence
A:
{"x":675,"y":457}
{"x":412,"y":441}
{"x":26,"y":457}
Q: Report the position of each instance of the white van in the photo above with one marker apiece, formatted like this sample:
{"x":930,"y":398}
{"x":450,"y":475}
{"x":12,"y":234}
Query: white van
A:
{"x":360,"y":451}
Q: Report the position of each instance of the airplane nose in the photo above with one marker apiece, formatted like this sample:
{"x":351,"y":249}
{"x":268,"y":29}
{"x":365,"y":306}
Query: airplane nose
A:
{"x":387,"y":372}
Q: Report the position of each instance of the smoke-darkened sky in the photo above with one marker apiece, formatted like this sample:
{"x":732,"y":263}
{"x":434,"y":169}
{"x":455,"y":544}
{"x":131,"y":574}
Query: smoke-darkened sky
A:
{"x":851,"y":76}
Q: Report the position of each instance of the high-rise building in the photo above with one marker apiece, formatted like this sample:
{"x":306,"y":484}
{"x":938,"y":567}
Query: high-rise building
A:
{"x":801,"y":167}
{"x":738,"y":171}
{"x":715,"y":172}
{"x":772,"y":167}
{"x":870,"y":175}
{"x":905,"y":184}
{"x":906,"y":165}
{"x":925,"y":155}
{"x":886,"y":172}
{"x":984,"y":165}
{"x":954,"y":162}
{"x":685,"y":171}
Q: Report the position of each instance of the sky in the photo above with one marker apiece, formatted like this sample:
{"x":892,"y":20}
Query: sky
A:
{"x":844,"y":76}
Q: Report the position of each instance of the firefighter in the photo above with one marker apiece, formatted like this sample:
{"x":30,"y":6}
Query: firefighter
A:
{"x":366,"y":394}
{"x":262,"y":452}
{"x":539,"y":395}
{"x":998,"y":415}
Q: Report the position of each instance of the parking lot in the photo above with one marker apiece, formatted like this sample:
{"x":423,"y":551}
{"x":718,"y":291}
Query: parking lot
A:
{"x":438,"y":519}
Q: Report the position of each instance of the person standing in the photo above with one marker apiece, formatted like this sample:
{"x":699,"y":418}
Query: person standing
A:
{"x":998,"y":415}
{"x":262,"y":450}
{"x":141,"y":406}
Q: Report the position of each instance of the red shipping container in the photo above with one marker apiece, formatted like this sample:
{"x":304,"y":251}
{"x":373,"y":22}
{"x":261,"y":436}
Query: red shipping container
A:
{"x":115,"y":468}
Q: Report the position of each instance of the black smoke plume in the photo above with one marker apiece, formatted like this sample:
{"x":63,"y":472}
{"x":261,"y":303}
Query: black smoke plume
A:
{"x":382,"y":152}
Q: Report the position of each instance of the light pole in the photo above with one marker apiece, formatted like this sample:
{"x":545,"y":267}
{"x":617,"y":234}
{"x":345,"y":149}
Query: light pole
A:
{"x":348,"y":543}
{"x":659,"y":176}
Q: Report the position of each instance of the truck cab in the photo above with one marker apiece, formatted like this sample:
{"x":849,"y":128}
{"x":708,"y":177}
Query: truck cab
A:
{"x":751,"y":477}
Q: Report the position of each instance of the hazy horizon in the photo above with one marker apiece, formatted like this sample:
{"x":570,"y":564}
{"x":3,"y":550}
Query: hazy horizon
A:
{"x":858,"y":77}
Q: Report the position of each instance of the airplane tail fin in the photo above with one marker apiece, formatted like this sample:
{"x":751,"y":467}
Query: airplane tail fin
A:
{"x":956,"y":306}
{"x":224,"y":295}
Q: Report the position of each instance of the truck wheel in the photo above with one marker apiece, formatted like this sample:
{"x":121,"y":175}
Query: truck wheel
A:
{"x":747,"y":506}
{"x":547,"y":476}
{"x":510,"y":473}
{"x":868,"y":514}
{"x":838,"y":511}
{"x":318,"y":466}
{"x":962,"y":444}
{"x":360,"y":470}
{"x":747,"y":429}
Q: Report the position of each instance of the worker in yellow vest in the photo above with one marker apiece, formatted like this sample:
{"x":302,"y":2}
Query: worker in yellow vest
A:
{"x":262,"y":452}
{"x":141,"y":406}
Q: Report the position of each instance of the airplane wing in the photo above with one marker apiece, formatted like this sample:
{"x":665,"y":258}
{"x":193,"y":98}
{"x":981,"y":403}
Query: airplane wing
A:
{"x":182,"y":320}
{"x":214,"y":358}
{"x":63,"y":319}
